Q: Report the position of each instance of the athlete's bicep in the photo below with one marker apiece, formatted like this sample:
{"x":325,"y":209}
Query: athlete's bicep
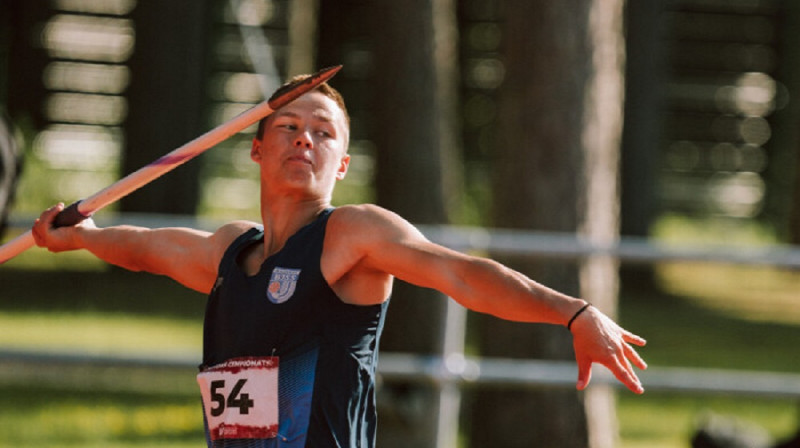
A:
{"x":384,"y":241}
{"x":190,"y":257}
{"x":415,"y":260}
{"x":185,"y":255}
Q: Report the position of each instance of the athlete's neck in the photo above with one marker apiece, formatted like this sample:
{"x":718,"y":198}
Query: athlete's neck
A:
{"x":282,"y":219}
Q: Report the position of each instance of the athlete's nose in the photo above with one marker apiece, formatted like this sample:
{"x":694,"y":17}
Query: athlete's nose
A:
{"x":303,"y":140}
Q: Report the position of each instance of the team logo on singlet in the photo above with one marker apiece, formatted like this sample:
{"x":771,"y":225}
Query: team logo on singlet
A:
{"x":282,"y":284}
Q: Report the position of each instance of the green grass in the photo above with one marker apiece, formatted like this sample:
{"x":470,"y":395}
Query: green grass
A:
{"x":35,"y":416}
{"x":750,"y":293}
{"x":660,"y":420}
{"x":78,"y":287}
{"x":100,"y":333}
{"x":682,"y":332}
{"x":71,"y":303}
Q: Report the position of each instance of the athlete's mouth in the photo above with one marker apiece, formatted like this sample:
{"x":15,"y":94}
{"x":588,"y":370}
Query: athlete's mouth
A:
{"x":301,"y":159}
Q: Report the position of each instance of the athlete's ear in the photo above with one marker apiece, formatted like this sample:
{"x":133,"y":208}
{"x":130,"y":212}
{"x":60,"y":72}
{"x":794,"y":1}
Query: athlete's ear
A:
{"x":255,"y":150}
{"x":343,"y":165}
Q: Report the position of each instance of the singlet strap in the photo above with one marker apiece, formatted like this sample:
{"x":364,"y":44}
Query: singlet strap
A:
{"x":229,"y":258}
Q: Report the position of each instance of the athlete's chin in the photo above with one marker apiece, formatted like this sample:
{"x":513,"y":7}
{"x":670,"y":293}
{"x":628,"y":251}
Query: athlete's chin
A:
{"x":307,"y":188}
{"x":299,"y":177}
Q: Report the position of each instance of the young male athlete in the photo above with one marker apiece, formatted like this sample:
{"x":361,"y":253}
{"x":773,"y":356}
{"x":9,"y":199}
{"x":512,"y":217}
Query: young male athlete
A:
{"x":297,"y":302}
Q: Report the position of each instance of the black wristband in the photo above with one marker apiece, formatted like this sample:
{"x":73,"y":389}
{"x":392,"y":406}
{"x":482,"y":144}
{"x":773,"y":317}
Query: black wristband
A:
{"x":578,"y":313}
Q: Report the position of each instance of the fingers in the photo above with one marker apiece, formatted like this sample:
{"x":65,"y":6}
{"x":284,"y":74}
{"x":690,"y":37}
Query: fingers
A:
{"x":632,"y":355}
{"x":37,"y":237}
{"x":624,"y":373}
{"x":49,"y":215}
{"x":623,"y":370}
{"x":632,"y":338}
{"x":620,"y":362}
{"x":584,"y":374}
{"x":44,"y":223}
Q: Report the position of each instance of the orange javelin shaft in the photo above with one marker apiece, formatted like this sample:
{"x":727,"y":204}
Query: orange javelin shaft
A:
{"x":85,"y":208}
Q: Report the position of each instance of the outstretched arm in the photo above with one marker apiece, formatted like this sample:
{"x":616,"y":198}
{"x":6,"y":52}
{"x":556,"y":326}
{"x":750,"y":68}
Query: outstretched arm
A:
{"x":377,"y":240}
{"x":186,"y":255}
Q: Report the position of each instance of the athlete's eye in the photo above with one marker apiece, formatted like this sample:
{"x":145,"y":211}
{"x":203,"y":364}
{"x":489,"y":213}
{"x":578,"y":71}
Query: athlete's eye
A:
{"x":285,"y":123}
{"x":325,"y":131}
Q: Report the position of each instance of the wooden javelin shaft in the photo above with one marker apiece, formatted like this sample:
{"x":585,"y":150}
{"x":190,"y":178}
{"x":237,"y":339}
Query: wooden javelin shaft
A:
{"x":85,"y":208}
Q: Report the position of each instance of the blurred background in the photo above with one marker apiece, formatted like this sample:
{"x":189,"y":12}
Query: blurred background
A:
{"x":640,"y":154}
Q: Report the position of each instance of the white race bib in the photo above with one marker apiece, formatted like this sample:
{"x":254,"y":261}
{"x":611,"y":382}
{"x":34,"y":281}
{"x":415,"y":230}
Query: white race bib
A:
{"x":240,"y":397}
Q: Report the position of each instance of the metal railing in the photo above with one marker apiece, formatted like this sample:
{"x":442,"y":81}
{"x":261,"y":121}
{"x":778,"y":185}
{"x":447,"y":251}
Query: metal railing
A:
{"x":467,"y":371}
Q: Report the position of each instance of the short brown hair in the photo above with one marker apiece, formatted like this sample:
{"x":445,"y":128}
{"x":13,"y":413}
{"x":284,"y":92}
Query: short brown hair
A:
{"x":323,"y":88}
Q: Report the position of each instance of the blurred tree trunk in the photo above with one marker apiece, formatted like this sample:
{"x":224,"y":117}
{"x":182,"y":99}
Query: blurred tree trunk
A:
{"x":303,"y":19}
{"x":415,"y":135}
{"x":11,"y":40}
{"x":10,"y":167}
{"x":641,"y":136}
{"x":166,"y":99}
{"x":643,"y":98}
{"x":560,"y":118}
{"x":783,"y":172}
{"x":27,"y":59}
{"x":416,"y":82}
{"x":794,"y":223}
{"x":781,"y":208}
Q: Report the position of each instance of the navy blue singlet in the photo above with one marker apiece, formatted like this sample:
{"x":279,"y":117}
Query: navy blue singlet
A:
{"x":328,"y":350}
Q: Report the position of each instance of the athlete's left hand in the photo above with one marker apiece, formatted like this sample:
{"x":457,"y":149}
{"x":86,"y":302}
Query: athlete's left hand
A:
{"x":598,"y":339}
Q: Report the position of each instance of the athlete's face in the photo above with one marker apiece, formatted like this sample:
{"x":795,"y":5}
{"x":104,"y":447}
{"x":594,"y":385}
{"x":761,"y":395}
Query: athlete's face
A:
{"x":304,"y":145}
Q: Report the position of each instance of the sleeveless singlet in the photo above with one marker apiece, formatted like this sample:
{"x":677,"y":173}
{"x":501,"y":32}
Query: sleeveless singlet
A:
{"x":328,"y":349}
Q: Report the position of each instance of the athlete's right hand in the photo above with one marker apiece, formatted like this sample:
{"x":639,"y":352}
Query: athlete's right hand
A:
{"x":57,"y":239}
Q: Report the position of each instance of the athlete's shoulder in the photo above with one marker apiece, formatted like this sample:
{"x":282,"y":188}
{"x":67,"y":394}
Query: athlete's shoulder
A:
{"x":227,"y":233}
{"x":369,"y":221}
{"x":363,"y":214}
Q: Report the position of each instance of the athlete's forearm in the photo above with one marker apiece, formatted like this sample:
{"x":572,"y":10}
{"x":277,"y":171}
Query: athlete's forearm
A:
{"x":124,"y":246}
{"x":493,"y":288}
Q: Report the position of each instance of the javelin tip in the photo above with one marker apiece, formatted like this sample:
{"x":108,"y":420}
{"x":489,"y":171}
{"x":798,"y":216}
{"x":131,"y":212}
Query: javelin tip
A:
{"x":291,"y":92}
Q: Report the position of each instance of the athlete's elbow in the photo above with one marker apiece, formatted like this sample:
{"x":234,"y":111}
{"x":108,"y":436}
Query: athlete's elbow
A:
{"x":129,"y":264}
{"x":132,"y":260}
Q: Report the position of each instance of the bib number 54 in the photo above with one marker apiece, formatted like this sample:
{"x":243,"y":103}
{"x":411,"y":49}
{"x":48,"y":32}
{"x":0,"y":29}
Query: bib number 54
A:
{"x":235,"y":399}
{"x":240,"y":398}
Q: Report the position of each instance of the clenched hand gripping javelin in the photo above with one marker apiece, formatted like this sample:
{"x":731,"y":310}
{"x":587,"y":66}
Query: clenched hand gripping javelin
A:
{"x":85,"y":208}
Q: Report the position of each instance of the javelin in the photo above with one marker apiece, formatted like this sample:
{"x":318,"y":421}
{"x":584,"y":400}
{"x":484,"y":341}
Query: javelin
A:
{"x":80,"y":210}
